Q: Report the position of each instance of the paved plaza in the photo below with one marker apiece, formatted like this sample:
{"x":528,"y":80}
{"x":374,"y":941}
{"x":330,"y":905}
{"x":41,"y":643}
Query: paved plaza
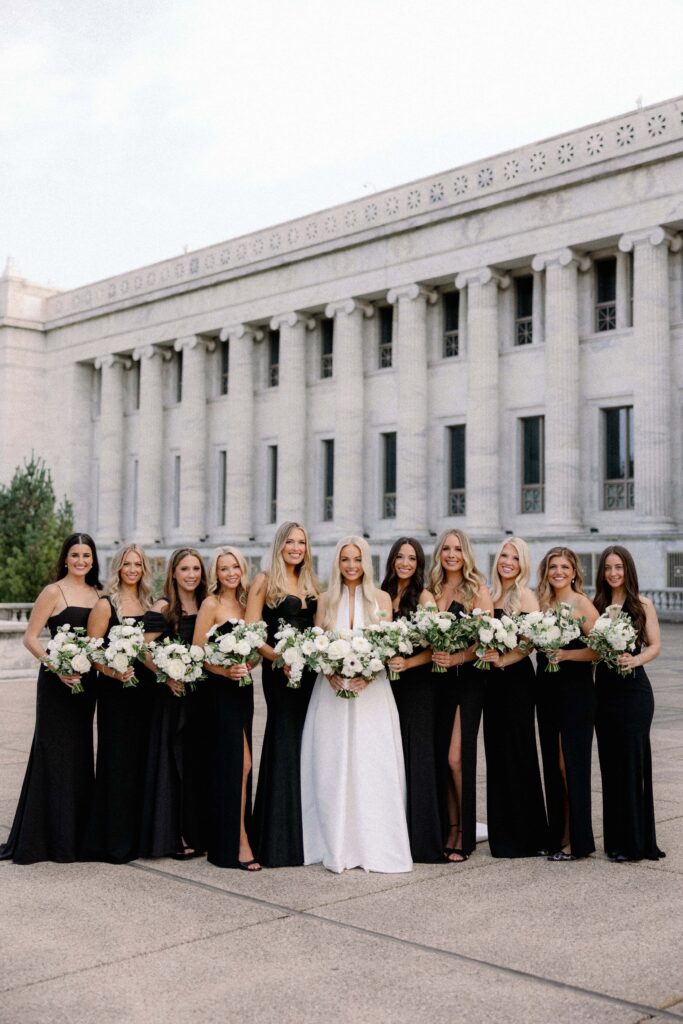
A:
{"x":490,"y":941}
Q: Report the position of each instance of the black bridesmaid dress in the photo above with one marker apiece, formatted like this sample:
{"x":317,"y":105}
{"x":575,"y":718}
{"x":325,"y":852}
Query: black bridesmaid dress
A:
{"x":516,"y":818}
{"x":622,"y":725}
{"x":172,"y":806}
{"x":277,"y":809}
{"x":566,"y":714}
{"x":459,"y":687}
{"x":230,"y":712}
{"x":415,"y":696}
{"x":123,"y":728}
{"x":52,"y":814}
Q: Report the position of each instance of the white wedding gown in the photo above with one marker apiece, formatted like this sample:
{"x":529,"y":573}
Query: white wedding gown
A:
{"x":353,"y":783}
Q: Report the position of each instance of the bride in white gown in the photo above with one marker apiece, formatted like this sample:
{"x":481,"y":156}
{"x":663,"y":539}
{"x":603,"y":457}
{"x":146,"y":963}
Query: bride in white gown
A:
{"x":353,"y":786}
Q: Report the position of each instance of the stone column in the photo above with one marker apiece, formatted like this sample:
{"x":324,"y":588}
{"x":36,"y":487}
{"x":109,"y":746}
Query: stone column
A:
{"x":292,"y":436}
{"x":111,"y":468}
{"x":652,"y":406}
{"x":150,"y":445}
{"x":193,"y":443}
{"x":241,"y":457}
{"x":412,"y":464}
{"x":562,"y":422}
{"x":482,"y":433}
{"x":349,"y":448}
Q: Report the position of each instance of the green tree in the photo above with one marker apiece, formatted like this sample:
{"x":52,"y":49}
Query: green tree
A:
{"x":32,"y":528}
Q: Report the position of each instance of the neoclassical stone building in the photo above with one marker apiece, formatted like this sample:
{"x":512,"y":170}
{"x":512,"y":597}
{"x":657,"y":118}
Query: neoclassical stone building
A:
{"x":498,"y":347}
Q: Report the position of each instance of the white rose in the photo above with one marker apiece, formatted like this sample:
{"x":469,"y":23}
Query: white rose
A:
{"x":119,"y":663}
{"x":553,"y":633}
{"x":375,"y":665}
{"x":486,"y":635}
{"x":243,"y":648}
{"x":69,"y":648}
{"x":339,"y":648}
{"x":291,"y":656}
{"x":81,"y":663}
{"x":175,"y":668}
{"x":322,"y":642}
{"x":226,"y":644}
{"x":307,"y":647}
{"x":361,"y":645}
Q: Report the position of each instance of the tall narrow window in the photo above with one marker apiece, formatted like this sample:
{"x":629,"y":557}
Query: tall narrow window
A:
{"x":606,"y":294}
{"x":451,"y":317}
{"x":225,"y":366}
{"x":134,"y":387}
{"x":134,"y":493}
{"x":178,"y":382}
{"x":176,"y":490}
{"x":386,"y":336}
{"x":524,"y":300}
{"x":389,"y":476}
{"x":272,"y":483}
{"x":328,"y":481}
{"x":97,"y":393}
{"x":273,"y":359}
{"x":456,"y":470}
{"x":619,"y":463}
{"x":222,"y":486}
{"x":533,"y":464}
{"x":326,"y":347}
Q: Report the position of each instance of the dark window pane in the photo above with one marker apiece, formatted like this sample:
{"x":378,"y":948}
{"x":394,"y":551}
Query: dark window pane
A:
{"x":389,"y":463}
{"x":456,"y":478}
{"x":532,"y":450}
{"x":606,"y":279}
{"x":524,"y":295}
{"x":451,"y":311}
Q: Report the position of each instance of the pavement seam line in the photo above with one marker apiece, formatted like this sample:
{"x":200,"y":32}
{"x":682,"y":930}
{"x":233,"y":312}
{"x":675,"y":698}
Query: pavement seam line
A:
{"x":649,"y":1011}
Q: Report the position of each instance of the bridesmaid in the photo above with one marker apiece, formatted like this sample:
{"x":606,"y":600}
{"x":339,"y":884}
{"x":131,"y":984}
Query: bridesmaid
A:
{"x":517,"y":823}
{"x":230,"y":711}
{"x":414,"y":694}
{"x":458,"y":586}
{"x":172,"y":799}
{"x":123,"y":717}
{"x":289,"y":591}
{"x":624,"y":716}
{"x":566,"y":713}
{"x":52,"y":813}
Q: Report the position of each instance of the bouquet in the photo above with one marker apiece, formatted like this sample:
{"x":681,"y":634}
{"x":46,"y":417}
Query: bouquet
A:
{"x":350,"y":653}
{"x":548,"y":631}
{"x":70,"y":653}
{"x":613,"y":634}
{"x":391,"y":639}
{"x":175,"y":660}
{"x":238,"y":647}
{"x":298,"y":649}
{"x":126,"y":645}
{"x":494,"y":634}
{"x":442,"y":631}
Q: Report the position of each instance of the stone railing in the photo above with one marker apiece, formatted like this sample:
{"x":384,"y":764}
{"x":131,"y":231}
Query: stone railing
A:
{"x":668,"y":602}
{"x":15,"y":660}
{"x":15,"y":613}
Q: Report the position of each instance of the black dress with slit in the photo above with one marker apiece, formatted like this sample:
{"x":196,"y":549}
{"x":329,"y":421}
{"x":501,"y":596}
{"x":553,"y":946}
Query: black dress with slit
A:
{"x":52,"y":814}
{"x":123,"y":729}
{"x":625,"y":706}
{"x":516,"y":817}
{"x":460,"y":688}
{"x":230,"y":711}
{"x":277,"y":809}
{"x":566,"y":716}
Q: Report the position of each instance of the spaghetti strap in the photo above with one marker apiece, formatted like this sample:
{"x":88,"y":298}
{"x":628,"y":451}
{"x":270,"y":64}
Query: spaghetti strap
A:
{"x":63,"y":595}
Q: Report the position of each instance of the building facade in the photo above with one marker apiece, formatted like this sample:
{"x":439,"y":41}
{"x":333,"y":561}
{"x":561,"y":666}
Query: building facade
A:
{"x":497,"y":348}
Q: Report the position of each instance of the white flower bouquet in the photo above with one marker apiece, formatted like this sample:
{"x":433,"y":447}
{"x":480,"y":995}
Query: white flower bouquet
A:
{"x":494,"y":634}
{"x":442,"y":631}
{"x":391,"y":639}
{"x":126,"y":645}
{"x":298,"y":649}
{"x":238,"y":647}
{"x":613,"y":634}
{"x":550,"y":630}
{"x":351,"y":655}
{"x":70,"y":653}
{"x":183,"y":663}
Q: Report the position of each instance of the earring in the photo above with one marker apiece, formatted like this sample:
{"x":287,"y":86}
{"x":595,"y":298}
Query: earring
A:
{"x":574,"y":580}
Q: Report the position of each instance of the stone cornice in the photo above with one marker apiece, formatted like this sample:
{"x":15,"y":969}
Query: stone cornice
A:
{"x":562,"y":258}
{"x":655,"y":236}
{"x":589,"y":150}
{"x":412,"y":292}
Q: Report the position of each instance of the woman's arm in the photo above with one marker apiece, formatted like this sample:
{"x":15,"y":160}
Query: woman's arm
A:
{"x":254,"y":611}
{"x":44,"y":607}
{"x":652,"y":640}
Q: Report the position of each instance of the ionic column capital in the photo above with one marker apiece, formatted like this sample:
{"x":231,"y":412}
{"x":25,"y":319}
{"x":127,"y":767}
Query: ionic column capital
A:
{"x":239,"y":331}
{"x":193,"y":341}
{"x":291,"y":319}
{"x":482,"y":276}
{"x":349,"y":306}
{"x":564,"y":257}
{"x":148,"y":351}
{"x":655,"y":236}
{"x":412,"y":292}
{"x":113,"y":360}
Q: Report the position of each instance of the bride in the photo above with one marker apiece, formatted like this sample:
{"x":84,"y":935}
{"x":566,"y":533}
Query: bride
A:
{"x":353,"y":787}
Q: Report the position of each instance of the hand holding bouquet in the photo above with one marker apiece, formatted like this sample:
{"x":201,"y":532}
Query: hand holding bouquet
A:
{"x":350,"y":657}
{"x":612,"y":635}
{"x":69,"y":654}
{"x":239,"y":647}
{"x":297,"y":650}
{"x":550,"y":630}
{"x":442,"y":631}
{"x":391,"y":639}
{"x":494,"y":634}
{"x":126,"y":645}
{"x":180,"y":665}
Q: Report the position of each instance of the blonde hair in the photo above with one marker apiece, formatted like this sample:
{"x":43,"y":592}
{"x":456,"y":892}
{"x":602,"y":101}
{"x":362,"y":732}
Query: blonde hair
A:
{"x":512,"y":600}
{"x":277,"y":587}
{"x":144,"y":586}
{"x":472,"y":579}
{"x":367,"y":584}
{"x":214,"y":587}
{"x":545,"y":592}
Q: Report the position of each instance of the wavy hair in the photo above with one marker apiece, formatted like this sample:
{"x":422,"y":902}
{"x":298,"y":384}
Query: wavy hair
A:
{"x":173,"y":612}
{"x":512,"y":600}
{"x":544,"y":590}
{"x":144,"y":584}
{"x":410,"y":597}
{"x":367,"y":584}
{"x":60,"y":570}
{"x":276,"y":575}
{"x":472,"y":578}
{"x":603,"y":592}
{"x":214,"y":587}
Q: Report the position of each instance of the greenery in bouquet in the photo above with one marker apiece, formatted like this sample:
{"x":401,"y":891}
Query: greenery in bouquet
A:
{"x":612,"y":635}
{"x":183,"y":663}
{"x":238,"y":647}
{"x":70,"y":653}
{"x":125,"y":645}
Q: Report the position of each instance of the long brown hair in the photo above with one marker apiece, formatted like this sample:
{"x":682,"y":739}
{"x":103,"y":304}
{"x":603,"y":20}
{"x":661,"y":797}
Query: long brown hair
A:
{"x":603,"y":592}
{"x":545,"y":591}
{"x":173,"y":612}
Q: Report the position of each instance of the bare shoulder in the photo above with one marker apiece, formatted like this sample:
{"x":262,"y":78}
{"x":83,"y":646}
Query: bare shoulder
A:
{"x":159,"y":605}
{"x":426,"y":597}
{"x":384,"y":600}
{"x":646,"y":603}
{"x":529,"y":601}
{"x":484,"y":599}
{"x":259,"y":583}
{"x":584,"y":604}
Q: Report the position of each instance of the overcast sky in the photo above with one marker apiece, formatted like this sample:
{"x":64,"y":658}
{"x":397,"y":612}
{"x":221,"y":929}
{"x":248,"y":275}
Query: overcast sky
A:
{"x":129,"y":130}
